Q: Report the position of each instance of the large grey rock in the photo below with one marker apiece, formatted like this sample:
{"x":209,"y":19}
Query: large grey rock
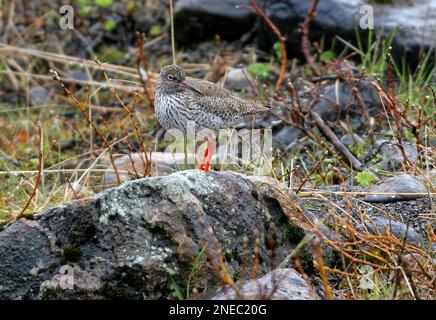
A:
{"x":197,"y":20}
{"x":280,"y":284}
{"x":134,"y":165}
{"x":415,"y":22}
{"x":132,"y":241}
{"x":407,"y":187}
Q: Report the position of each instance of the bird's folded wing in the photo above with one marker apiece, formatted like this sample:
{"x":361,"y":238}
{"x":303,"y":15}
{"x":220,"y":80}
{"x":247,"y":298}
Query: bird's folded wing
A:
{"x":226,"y":107}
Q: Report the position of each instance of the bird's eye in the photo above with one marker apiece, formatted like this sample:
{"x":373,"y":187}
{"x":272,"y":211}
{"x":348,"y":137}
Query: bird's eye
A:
{"x":170,"y":77}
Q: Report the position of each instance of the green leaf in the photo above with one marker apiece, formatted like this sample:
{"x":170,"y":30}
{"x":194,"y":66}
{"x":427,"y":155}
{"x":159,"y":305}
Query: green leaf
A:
{"x":194,"y":268}
{"x":176,"y":288}
{"x":261,"y":70}
{"x":103,"y":3}
{"x":82,"y":3}
{"x":327,"y":56}
{"x":365,"y":178}
{"x":278,"y":50}
{"x":84,"y":7}
{"x":155,"y":31}
{"x":110,"y":25}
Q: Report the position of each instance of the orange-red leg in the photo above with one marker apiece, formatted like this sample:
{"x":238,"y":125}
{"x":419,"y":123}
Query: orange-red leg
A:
{"x":203,"y":159}
{"x":207,"y":156}
{"x":211,"y":151}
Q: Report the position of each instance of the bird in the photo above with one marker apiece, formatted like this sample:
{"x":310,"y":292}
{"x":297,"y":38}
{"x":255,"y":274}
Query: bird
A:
{"x":180,"y":99}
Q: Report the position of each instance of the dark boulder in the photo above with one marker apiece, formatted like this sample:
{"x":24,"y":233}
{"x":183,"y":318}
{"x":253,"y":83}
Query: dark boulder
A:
{"x":413,"y":21}
{"x":133,"y":241}
{"x":196,"y":20}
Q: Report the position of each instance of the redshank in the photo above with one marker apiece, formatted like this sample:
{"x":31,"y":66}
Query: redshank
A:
{"x":181,"y":99}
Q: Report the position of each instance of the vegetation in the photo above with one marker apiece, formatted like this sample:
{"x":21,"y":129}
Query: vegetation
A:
{"x":61,"y":132}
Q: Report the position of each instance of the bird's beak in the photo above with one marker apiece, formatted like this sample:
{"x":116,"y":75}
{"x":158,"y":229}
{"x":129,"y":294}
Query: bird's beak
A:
{"x":186,"y":85}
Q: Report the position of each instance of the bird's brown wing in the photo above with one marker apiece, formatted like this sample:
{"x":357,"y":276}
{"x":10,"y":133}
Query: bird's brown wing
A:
{"x":221,"y":102}
{"x":208,"y":88}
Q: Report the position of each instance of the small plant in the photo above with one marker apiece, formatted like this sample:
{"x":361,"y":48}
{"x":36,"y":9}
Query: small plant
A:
{"x":177,"y":288}
{"x":103,"y":3}
{"x":110,"y":25}
{"x":155,"y":31}
{"x":261,"y":70}
{"x":365,"y":178}
{"x":278,"y":51}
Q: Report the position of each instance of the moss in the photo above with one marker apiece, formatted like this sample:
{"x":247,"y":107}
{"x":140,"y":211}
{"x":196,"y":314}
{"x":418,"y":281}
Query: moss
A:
{"x":294,"y":233}
{"x":28,"y":215}
{"x":228,"y":256}
{"x":111,"y":54}
{"x":306,"y":259}
{"x":72,"y":254}
{"x":115,"y":292}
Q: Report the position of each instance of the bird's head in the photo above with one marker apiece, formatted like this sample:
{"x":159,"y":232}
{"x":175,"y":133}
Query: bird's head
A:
{"x":172,"y":79}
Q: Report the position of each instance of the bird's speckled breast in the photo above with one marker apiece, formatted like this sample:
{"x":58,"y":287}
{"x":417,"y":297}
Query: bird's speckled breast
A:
{"x":175,"y":110}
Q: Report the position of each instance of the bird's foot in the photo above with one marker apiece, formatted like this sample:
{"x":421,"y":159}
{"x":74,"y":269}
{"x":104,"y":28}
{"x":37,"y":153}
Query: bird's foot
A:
{"x":207,"y":156}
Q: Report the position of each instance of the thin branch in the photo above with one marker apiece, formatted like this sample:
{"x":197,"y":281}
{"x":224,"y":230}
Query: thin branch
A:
{"x":142,"y":70}
{"x":395,"y":110}
{"x":82,"y":108}
{"x":305,"y":43}
{"x":132,"y":117}
{"x":281,"y":39}
{"x":173,"y":46}
{"x":38,"y":176}
{"x":325,"y":129}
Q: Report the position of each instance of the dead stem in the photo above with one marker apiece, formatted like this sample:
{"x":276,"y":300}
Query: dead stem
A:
{"x":132,"y":117}
{"x":281,"y":39}
{"x":78,"y":104}
{"x":305,"y":43}
{"x":38,"y":176}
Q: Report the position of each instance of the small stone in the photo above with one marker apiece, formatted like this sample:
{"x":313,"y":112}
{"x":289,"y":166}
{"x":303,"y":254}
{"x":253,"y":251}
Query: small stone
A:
{"x":398,"y":229}
{"x":284,"y":284}
{"x":392,"y":156}
{"x":400,"y":184}
{"x":238,"y":79}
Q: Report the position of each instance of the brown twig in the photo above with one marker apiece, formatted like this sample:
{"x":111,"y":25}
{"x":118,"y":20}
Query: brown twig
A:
{"x":281,"y":39}
{"x":132,"y":117}
{"x":310,"y":174}
{"x":305,"y":43}
{"x":321,"y":268}
{"x":394,"y":109}
{"x":325,"y":129}
{"x":142,"y":70}
{"x":82,"y":109}
{"x":70,"y":185}
{"x":38,"y":176}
